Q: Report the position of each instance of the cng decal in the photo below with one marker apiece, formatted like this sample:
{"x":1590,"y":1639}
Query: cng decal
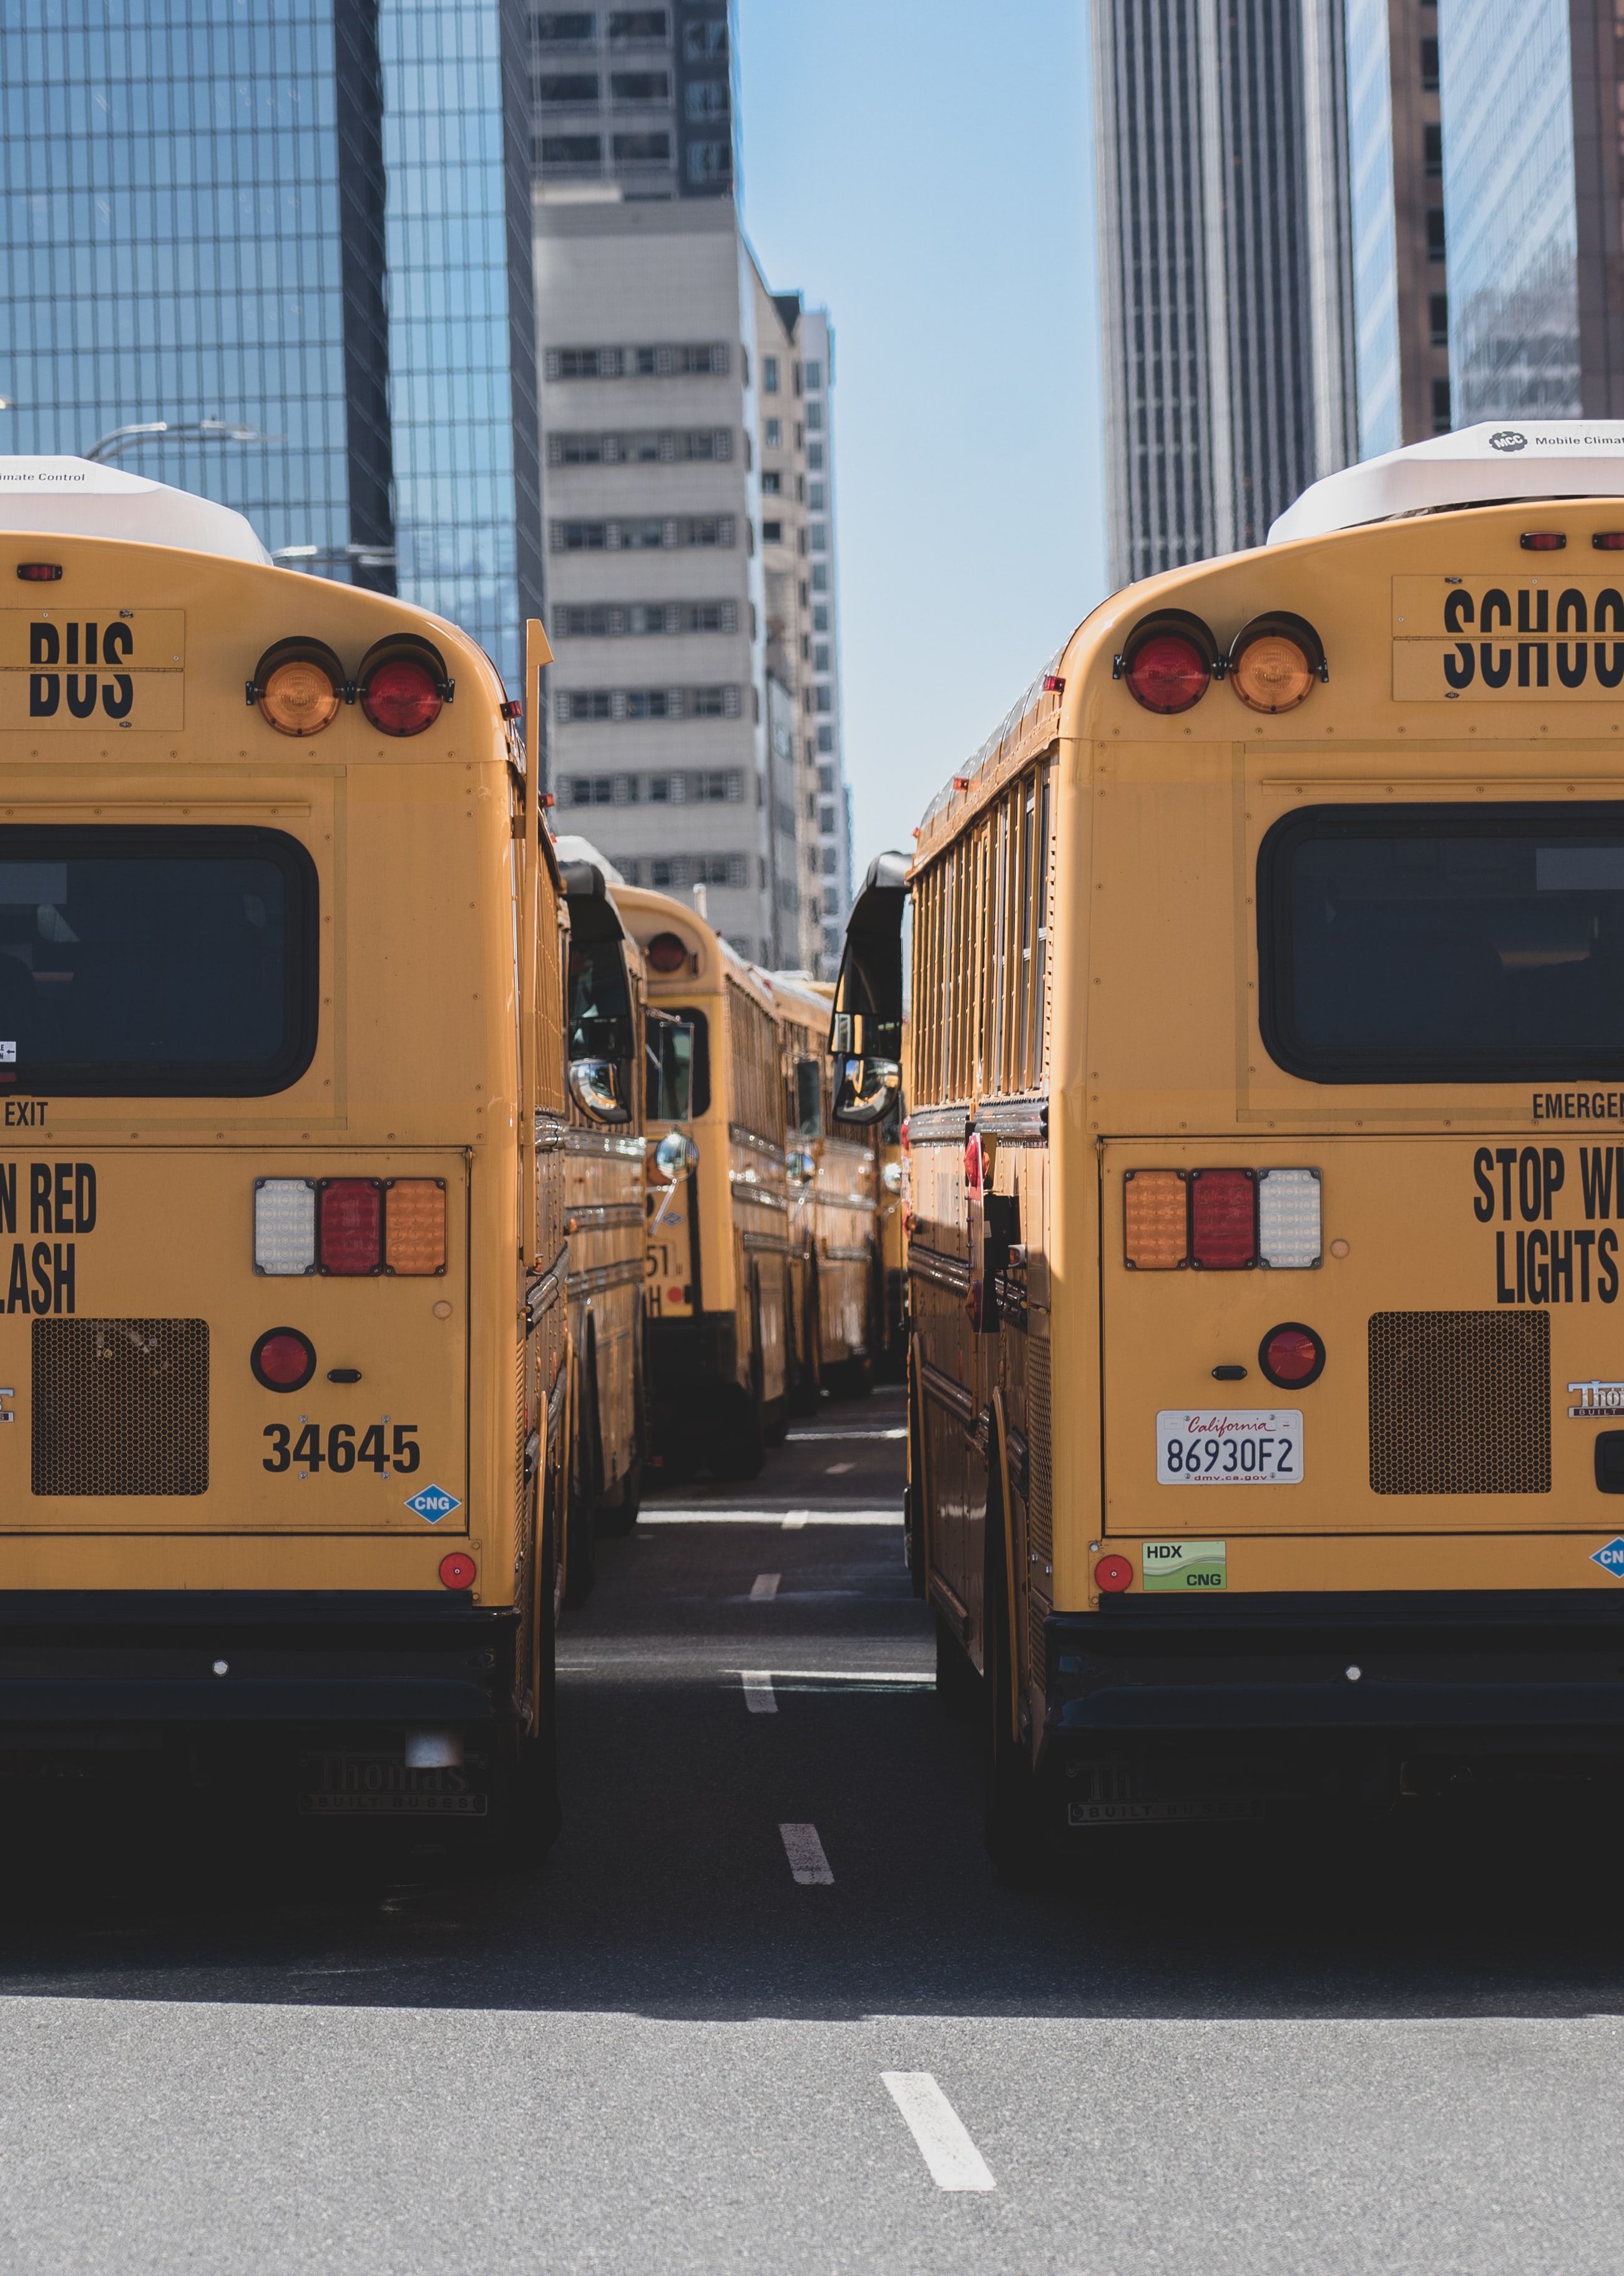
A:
{"x":1612,"y":1558}
{"x":1184,"y":1565}
{"x":432,"y":1503}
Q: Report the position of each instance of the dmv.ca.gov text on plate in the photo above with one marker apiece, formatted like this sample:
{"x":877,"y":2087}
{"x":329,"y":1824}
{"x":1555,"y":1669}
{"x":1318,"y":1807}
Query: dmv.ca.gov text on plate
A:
{"x":1253,"y":1447}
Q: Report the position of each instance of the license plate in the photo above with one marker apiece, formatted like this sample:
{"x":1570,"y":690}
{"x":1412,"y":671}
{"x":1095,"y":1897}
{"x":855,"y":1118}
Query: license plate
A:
{"x":1252,"y":1447}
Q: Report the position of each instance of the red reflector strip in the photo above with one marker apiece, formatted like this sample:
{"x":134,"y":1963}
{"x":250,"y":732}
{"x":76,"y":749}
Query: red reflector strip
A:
{"x":1223,"y":1220}
{"x":351,"y":1240}
{"x":39,"y":573}
{"x":1542,"y":540}
{"x":1609,"y":540}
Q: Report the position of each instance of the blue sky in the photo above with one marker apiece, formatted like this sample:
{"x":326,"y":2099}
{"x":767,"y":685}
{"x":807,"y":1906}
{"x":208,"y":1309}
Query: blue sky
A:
{"x":926,"y":172}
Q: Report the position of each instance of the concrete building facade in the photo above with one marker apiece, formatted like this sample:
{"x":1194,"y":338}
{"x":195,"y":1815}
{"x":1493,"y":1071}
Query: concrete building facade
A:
{"x":1227,"y":268}
{"x":693,"y":701}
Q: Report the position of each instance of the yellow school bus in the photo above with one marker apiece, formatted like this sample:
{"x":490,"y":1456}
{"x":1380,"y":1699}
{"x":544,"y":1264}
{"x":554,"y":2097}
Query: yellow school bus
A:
{"x":1268,"y":1067}
{"x":604,"y":1213}
{"x":717,"y":1294}
{"x":837,"y":1313}
{"x":282,"y":1176}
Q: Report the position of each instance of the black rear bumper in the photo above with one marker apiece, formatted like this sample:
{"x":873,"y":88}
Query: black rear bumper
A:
{"x":1389,"y":1665}
{"x":114,"y":1659}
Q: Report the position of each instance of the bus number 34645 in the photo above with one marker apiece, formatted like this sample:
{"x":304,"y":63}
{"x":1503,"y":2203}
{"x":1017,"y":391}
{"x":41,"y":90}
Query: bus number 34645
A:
{"x":341,"y":1452}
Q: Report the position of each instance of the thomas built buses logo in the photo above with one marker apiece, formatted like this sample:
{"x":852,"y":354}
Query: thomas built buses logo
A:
{"x":1508,"y":439}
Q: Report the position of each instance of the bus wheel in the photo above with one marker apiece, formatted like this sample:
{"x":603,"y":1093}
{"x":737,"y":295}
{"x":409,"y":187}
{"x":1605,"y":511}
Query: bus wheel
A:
{"x":527,"y":1797}
{"x":616,"y":1513}
{"x":958,"y":1686}
{"x":581,"y":1564}
{"x":1010,"y":1818}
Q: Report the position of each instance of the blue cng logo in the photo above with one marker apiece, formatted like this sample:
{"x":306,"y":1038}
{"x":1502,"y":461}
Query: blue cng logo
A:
{"x":434,"y":1503}
{"x":1612,"y":1558}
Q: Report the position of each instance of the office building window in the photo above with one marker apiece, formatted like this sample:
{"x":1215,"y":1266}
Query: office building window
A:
{"x":643,"y":150}
{"x":825,"y":740}
{"x":820,"y":617}
{"x":775,"y":434}
{"x":1440,"y":406}
{"x":585,"y":363}
{"x":770,"y":375}
{"x":1439,"y":306}
{"x":639,"y":87}
{"x":1434,"y":233}
{"x":815,"y":377}
{"x":826,"y":819}
{"x":820,"y":576}
{"x":824,"y":702}
{"x":635,"y":619}
{"x":638,"y":24}
{"x":643,"y":533}
{"x":679,"y":361}
{"x":1429,"y":67}
{"x":706,"y":99}
{"x":569,"y":149}
{"x":815,"y":418}
{"x":580,"y":707}
{"x":772,"y":481}
{"x":772,"y":533}
{"x":826,"y":782}
{"x":575,"y":86}
{"x":831,"y":856}
{"x":710,"y":162}
{"x":557,"y":26}
{"x":820,"y":537}
{"x":701,"y":41}
{"x":820,"y":657}
{"x":815,"y":457}
{"x":815,"y":497}
{"x":1432,"y":143}
{"x":645,"y":449}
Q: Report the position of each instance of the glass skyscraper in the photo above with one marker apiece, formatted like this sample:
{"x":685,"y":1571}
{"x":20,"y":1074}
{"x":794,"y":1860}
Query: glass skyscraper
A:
{"x":309,"y":218}
{"x":1510,"y":193}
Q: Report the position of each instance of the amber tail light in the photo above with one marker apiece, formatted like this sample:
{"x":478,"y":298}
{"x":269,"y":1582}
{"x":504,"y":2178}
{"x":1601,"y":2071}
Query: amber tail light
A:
{"x":298,"y":686}
{"x":1274,"y":662}
{"x":1156,"y":1213}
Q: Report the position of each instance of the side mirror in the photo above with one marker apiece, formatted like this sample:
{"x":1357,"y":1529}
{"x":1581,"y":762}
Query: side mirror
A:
{"x":867,"y":1089}
{"x":594,"y":1085}
{"x":674,"y":1155}
{"x":801,"y":1165}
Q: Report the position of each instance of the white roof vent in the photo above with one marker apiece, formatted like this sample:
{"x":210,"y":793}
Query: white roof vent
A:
{"x":1491,"y":464}
{"x":582,"y":849}
{"x":76,"y":497}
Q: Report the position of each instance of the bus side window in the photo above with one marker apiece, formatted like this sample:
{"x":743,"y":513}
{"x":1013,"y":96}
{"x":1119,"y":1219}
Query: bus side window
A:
{"x":673,"y":1059}
{"x":809,"y":1099}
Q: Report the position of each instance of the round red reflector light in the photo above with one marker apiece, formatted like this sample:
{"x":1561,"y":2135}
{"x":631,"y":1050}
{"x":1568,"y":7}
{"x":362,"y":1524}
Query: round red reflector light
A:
{"x":459,"y":1570}
{"x":1292,"y":1355}
{"x":1113,"y":1574}
{"x":1167,"y":672}
{"x":666,"y":952}
{"x":283,"y":1360}
{"x":402,"y":697}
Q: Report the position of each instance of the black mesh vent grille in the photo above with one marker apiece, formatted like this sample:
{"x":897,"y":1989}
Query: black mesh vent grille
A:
{"x":120,"y":1407}
{"x":1460,"y":1403}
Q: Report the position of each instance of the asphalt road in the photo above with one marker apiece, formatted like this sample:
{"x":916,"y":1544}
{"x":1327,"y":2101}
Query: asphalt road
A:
{"x":669,"y":2050}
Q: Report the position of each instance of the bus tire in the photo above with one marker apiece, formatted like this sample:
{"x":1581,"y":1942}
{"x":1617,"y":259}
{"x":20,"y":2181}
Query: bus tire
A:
{"x":616,"y":1513}
{"x":580,"y":1529}
{"x":528,"y":1795}
{"x":958,"y":1686}
{"x":1010,"y":1823}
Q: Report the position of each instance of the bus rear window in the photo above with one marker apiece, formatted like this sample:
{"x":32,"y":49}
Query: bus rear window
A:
{"x":1443,"y":943}
{"x":155,"y":962}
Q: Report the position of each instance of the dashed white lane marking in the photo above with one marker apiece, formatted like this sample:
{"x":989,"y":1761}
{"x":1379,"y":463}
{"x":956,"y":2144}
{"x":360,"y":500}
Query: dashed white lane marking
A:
{"x":805,"y":1851}
{"x":792,"y":1522}
{"x":838,"y":1470}
{"x":839,"y":1437}
{"x":918,"y":1677}
{"x":945,"y":2146}
{"x":758,"y":1692}
{"x":765,"y":1584}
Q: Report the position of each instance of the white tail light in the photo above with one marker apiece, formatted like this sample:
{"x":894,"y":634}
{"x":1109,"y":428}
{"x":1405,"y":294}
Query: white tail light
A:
{"x":283,"y":1226}
{"x":1288,"y":1219}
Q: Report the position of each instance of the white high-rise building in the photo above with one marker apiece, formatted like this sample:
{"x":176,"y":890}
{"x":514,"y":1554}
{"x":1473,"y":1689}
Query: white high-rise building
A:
{"x":688,"y":537}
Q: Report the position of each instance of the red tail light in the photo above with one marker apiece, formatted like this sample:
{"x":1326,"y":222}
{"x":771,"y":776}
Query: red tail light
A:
{"x":1292,"y":1355}
{"x":402,"y":684}
{"x":666,"y":952}
{"x":283,"y":1360}
{"x":1223,"y":1220}
{"x":1168,"y":673}
{"x":350,"y":1225}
